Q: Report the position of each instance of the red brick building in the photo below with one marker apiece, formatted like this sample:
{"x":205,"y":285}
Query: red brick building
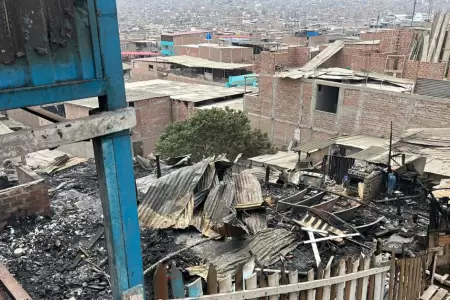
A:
{"x":387,"y":53}
{"x":159,"y":103}
{"x":322,"y":109}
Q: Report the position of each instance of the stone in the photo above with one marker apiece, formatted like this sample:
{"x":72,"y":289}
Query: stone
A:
{"x":19,"y":252}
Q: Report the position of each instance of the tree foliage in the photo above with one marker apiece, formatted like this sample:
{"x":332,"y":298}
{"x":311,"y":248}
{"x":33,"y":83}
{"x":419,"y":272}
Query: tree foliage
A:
{"x":213,"y":132}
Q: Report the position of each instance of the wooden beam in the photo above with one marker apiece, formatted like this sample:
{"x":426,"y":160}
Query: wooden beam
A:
{"x":331,"y":238}
{"x":23,"y":142}
{"x":435,"y":37}
{"x":314,"y":247}
{"x":437,"y":53}
{"x":446,"y":53}
{"x":11,"y":285}
{"x":429,"y":292}
{"x":426,"y":43}
{"x":323,"y":56}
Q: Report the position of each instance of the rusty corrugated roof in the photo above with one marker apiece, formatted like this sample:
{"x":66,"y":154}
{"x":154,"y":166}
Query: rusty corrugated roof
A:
{"x":248,"y":190}
{"x":249,"y":196}
{"x":169,"y":201}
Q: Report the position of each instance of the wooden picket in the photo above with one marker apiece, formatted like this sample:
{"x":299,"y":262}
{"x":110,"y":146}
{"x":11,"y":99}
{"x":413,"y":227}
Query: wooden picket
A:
{"x":406,"y":278}
{"x":360,"y":279}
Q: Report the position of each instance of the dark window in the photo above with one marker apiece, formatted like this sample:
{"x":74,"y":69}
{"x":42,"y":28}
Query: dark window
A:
{"x":150,"y":67}
{"x":327,"y":98}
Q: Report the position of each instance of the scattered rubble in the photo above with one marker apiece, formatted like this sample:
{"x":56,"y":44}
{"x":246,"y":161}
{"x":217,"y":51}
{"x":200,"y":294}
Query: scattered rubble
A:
{"x":65,"y":256}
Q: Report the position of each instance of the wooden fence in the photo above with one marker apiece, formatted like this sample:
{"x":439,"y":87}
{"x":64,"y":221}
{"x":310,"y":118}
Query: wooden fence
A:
{"x":407,"y":278}
{"x":363,"y":279}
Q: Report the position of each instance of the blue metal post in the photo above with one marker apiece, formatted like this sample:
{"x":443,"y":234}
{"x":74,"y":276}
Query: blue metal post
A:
{"x":114,"y":165}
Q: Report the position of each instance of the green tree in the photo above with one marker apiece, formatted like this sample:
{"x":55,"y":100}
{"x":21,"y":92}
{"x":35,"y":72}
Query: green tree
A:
{"x":213,"y":132}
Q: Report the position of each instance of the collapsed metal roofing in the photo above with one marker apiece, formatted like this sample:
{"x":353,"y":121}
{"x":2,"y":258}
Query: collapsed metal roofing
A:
{"x":432,"y":143}
{"x":194,"y":196}
{"x":267,"y":246}
{"x":169,"y":201}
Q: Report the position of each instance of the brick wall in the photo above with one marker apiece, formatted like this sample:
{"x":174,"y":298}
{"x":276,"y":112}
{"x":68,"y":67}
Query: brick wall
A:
{"x":299,"y":56}
{"x":324,"y":120}
{"x":283,"y":104}
{"x":28,"y":198}
{"x":372,"y":185}
{"x":270,"y":59}
{"x":398,"y":41}
{"x":417,"y":69}
{"x":152,"y":116}
{"x":296,"y":56}
{"x":361,"y":59}
{"x":369,"y":36}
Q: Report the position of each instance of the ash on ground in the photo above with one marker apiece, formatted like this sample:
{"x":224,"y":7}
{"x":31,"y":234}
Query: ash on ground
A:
{"x":42,"y":252}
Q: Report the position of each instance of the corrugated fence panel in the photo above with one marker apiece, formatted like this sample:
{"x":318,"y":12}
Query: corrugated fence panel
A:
{"x":433,"y":88}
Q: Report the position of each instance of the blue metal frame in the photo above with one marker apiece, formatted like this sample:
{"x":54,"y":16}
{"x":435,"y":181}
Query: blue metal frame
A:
{"x":93,"y":69}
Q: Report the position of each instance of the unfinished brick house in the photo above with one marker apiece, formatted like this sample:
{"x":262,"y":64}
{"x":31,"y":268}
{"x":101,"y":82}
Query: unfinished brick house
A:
{"x":323,"y":104}
{"x":388,"y":53}
{"x":324,"y":108}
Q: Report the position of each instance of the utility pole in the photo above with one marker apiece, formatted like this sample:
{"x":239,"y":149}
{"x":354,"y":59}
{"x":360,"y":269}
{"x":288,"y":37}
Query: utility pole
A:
{"x":414,"y":12}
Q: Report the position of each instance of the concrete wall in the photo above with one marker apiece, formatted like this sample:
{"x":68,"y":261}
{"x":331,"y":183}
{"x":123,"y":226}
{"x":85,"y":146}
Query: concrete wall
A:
{"x":27,"y":118}
{"x":28,"y":198}
{"x":283,"y":104}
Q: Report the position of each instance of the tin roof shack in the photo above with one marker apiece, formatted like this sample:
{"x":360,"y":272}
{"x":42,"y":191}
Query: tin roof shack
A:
{"x":29,"y":197}
{"x":432,"y":143}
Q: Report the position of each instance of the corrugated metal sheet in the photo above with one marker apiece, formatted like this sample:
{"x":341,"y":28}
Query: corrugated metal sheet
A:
{"x":433,"y":88}
{"x":169,"y":201}
{"x":248,"y":196}
{"x":282,"y":159}
{"x":217,"y":207}
{"x":368,"y":153}
{"x":248,"y":190}
{"x":196,"y":62}
{"x":432,"y":137}
{"x":437,"y":166}
{"x":267,"y":245}
{"x":361,"y":141}
{"x":445,"y":183}
{"x":314,"y":145}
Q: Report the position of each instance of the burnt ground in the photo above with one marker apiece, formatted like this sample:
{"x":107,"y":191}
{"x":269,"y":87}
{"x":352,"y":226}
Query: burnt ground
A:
{"x":49,"y":246}
{"x":46,"y":248}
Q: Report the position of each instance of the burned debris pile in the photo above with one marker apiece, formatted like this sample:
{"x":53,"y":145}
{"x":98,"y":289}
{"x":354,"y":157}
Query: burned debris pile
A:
{"x":306,"y":217}
{"x":296,"y":220}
